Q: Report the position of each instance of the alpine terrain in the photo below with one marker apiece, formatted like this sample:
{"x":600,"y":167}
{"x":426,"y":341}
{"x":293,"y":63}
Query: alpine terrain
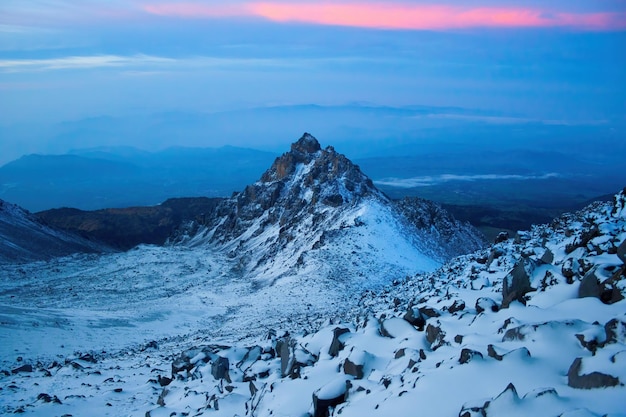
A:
{"x":311,"y":293}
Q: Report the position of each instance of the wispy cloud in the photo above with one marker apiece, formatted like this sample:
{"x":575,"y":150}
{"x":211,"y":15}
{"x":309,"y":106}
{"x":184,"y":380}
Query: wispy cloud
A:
{"x":397,"y":15}
{"x":79,"y":62}
{"x":154,"y":65}
{"x":429,"y":180}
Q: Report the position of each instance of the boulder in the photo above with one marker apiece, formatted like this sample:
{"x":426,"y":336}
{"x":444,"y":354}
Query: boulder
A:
{"x":337,"y":345}
{"x":486,"y":304}
{"x":588,"y":381}
{"x":23,"y":368}
{"x":285,"y":352}
{"x":415,"y":317}
{"x":458,"y":305}
{"x":502,"y":237}
{"x":621,"y":251}
{"x":429,"y":312}
{"x":467,"y":355}
{"x":491,"y":352}
{"x":435,"y":336}
{"x":330,"y":395}
{"x":351,"y":368}
{"x":517,"y":282}
{"x":164,"y":381}
{"x":219,"y":369}
{"x":590,"y":285}
{"x":547,"y":257}
{"x":615,"y":331}
{"x":47,"y":398}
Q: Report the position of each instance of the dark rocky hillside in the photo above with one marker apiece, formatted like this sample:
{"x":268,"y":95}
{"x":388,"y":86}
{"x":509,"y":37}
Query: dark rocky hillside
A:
{"x":125,"y":228}
{"x":24,"y":237}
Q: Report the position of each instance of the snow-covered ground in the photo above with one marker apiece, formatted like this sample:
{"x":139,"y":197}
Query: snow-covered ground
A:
{"x":180,"y":331}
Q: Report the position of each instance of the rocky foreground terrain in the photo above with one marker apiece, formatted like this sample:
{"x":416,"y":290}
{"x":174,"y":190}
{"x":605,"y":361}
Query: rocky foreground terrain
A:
{"x":234,"y":322}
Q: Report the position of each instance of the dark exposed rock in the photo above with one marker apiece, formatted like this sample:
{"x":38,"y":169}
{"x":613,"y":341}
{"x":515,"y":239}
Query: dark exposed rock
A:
{"x":547,"y":257}
{"x":517,"y":283}
{"x":486,"y":304}
{"x":164,"y":381}
{"x":589,"y":286}
{"x":337,"y":345}
{"x":351,"y":368}
{"x":502,"y":237}
{"x":23,"y":368}
{"x":219,"y":368}
{"x":435,"y":336}
{"x":621,"y":251}
{"x":588,"y":381}
{"x":415,"y":317}
{"x":125,"y":228}
{"x":491,"y":352}
{"x":468,"y":355}
{"x":615,"y":331}
{"x":329,"y":396}
{"x":458,"y":305}
{"x":47,"y":398}
{"x":429,"y":312}
{"x":567,"y":270}
{"x":88,"y":357}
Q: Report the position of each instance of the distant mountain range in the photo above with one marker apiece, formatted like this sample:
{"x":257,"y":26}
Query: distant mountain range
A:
{"x":123,"y":177}
{"x":528,"y":171}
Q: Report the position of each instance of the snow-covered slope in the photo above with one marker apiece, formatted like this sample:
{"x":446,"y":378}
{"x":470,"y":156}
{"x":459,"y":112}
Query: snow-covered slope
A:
{"x":315,"y":212}
{"x":454,"y":342}
{"x":24,"y":238}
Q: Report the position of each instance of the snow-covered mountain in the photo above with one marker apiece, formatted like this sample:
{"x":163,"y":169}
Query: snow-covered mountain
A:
{"x":23,"y":238}
{"x":314,"y":211}
{"x":532,"y":325}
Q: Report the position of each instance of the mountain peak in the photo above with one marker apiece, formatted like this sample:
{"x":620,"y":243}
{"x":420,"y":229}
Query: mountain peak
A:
{"x":306,"y":144}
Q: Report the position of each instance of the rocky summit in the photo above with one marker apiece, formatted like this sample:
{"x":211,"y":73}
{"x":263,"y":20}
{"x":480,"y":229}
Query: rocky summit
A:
{"x":314,"y":208}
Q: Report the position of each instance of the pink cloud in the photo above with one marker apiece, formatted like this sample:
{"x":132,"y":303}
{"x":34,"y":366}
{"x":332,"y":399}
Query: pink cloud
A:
{"x":397,"y":16}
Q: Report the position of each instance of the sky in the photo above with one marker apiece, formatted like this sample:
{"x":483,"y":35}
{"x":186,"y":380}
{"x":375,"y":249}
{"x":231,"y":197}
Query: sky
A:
{"x":63,"y":60}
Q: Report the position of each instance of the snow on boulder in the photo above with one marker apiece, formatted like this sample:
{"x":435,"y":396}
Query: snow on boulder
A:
{"x":329,"y":396}
{"x":486,"y":304}
{"x":590,"y":380}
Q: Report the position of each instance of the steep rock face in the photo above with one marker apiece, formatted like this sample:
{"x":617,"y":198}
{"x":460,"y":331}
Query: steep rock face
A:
{"x":314,"y":208}
{"x":436,"y":223}
{"x":24,"y":238}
